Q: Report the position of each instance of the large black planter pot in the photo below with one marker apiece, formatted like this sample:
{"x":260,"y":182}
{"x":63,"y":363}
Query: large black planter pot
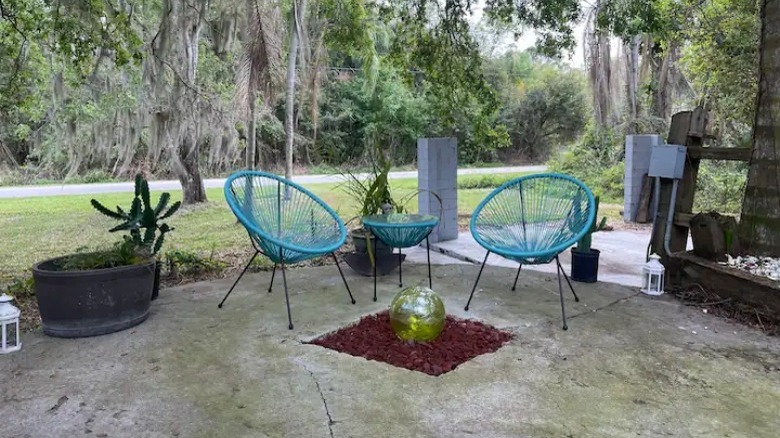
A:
{"x":95,"y":302}
{"x":379,"y":247}
{"x":156,"y":288}
{"x":585,"y":265}
{"x":360,"y":262}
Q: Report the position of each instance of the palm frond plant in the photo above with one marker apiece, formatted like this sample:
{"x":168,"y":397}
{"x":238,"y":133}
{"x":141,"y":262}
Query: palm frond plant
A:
{"x":371,"y":195}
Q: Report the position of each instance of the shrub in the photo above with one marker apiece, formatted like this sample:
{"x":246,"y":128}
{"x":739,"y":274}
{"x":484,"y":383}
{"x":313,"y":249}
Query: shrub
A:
{"x":483,"y":181}
{"x":94,"y":176}
{"x":123,"y":253}
{"x":189,"y":264}
{"x":596,"y":160}
{"x":20,"y":287}
{"x":720,"y":186}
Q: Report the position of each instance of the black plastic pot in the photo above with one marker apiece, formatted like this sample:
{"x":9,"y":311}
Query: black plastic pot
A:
{"x":359,"y":241}
{"x":93,"y":302}
{"x":360,"y":261}
{"x":156,"y":288}
{"x":585,"y":265}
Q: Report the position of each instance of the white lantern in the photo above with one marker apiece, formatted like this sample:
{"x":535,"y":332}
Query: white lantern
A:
{"x":9,"y":324}
{"x":653,"y":273}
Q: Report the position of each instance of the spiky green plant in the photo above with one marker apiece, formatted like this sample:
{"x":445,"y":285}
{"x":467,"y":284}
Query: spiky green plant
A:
{"x":141,"y":220}
{"x":598,"y":225}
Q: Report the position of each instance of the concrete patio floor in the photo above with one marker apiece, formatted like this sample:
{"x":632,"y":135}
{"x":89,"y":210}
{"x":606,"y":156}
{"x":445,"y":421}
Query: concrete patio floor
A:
{"x":629,"y":365}
{"x":623,"y":253}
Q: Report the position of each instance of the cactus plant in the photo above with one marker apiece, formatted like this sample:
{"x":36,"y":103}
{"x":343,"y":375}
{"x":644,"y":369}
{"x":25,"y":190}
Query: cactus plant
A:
{"x":142,"y":220}
{"x":598,"y":225}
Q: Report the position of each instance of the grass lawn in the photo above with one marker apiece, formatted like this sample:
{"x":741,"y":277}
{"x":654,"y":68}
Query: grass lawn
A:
{"x":38,"y":228}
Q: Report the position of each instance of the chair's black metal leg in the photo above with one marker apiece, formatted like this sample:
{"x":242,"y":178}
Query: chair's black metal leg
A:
{"x":237,"y":279}
{"x":560,"y":292}
{"x":576,"y":298}
{"x":514,"y":286}
{"x":400,"y":270}
{"x":375,"y":279}
{"x":476,"y":282}
{"x":273,"y":273}
{"x":342,"y":277}
{"x":286,"y":297}
{"x":428,"y":251}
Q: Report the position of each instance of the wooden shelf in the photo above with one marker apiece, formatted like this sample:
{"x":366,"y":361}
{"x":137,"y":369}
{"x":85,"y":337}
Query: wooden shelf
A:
{"x":710,"y":153}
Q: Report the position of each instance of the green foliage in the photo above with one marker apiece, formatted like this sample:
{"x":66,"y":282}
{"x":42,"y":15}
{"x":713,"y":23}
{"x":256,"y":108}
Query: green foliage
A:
{"x":190,"y":264}
{"x":436,"y":42}
{"x":123,"y":253}
{"x":20,"y":287}
{"x":596,"y":160}
{"x":627,"y":18}
{"x":353,"y":120}
{"x":73,"y":30}
{"x":93,"y":176}
{"x":552,"y":20}
{"x":372,"y":193}
{"x":483,"y":181}
{"x":720,"y":186}
{"x":352,"y":30}
{"x":597,"y":225}
{"x":721,"y":58}
{"x":546,"y":109}
{"x":141,"y":220}
{"x":44,"y":43}
{"x":25,"y":175}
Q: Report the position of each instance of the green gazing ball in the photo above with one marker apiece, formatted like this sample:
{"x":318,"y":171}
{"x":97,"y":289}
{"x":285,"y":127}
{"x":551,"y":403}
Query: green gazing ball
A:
{"x":417,"y":314}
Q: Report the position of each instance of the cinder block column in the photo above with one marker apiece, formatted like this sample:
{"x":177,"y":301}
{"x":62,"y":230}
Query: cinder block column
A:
{"x":638,"y":150}
{"x":437,"y":171}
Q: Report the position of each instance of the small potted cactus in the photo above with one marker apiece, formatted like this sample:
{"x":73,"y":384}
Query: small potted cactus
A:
{"x":584,"y":259}
{"x":98,"y":292}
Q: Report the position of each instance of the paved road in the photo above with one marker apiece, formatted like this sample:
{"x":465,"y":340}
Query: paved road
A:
{"x":92,"y":189}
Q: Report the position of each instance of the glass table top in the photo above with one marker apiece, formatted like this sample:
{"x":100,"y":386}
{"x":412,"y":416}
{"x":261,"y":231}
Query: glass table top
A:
{"x":400,"y":220}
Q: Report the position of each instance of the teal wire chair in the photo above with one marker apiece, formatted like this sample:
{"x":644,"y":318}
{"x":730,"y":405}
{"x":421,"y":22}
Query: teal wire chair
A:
{"x":285,"y":222}
{"x":531,"y":220}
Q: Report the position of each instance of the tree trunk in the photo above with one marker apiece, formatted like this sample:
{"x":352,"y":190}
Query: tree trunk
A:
{"x":299,"y":11}
{"x":632,"y":83}
{"x":190,"y":179}
{"x":597,"y":63}
{"x":251,"y":138}
{"x":188,"y":153}
{"x":760,"y":220}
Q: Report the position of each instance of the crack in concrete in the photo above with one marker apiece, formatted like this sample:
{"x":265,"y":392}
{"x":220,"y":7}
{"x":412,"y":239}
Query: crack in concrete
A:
{"x":331,"y":422}
{"x":606,"y":306}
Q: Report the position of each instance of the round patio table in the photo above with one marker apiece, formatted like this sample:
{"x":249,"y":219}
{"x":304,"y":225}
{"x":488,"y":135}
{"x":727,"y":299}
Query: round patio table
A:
{"x":398,"y":230}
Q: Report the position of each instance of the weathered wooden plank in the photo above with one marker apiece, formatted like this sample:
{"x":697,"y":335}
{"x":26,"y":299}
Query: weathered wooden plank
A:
{"x":708,"y":153}
{"x":682,"y":124}
{"x":731,"y":283}
{"x":643,"y":210}
{"x":679,"y":128}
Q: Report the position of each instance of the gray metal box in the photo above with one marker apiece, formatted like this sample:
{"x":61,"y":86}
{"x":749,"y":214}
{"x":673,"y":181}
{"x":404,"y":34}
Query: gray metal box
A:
{"x":667,"y":161}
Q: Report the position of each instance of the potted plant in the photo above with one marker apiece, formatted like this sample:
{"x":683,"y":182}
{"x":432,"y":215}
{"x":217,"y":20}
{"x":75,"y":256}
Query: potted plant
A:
{"x":372,"y":195}
{"x":99,"y":292}
{"x":584,"y":259}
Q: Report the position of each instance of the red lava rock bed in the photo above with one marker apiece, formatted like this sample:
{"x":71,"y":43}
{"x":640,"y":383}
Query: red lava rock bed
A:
{"x":373,"y":338}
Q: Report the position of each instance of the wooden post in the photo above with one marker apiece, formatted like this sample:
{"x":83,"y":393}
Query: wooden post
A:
{"x":687,"y":129}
